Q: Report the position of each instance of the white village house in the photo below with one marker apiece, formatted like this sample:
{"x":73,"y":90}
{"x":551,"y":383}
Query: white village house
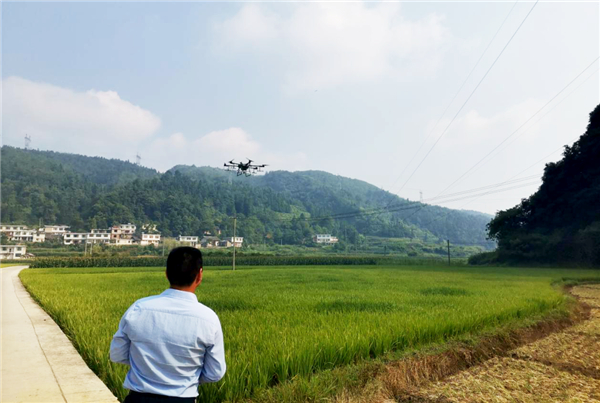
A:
{"x":326,"y":239}
{"x":55,"y":230}
{"x":99,"y":236}
{"x":28,"y":235}
{"x":12,"y":227}
{"x":188,"y":239}
{"x":122,"y":234}
{"x":74,"y":238}
{"x":12,"y":251}
{"x":150,"y":239}
{"x":237,"y":241}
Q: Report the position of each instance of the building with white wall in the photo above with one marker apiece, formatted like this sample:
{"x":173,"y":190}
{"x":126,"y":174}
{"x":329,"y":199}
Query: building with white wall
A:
{"x":121,"y":242}
{"x":74,"y":238}
{"x":237,"y":241}
{"x":55,"y":229}
{"x":122,"y":234}
{"x":150,"y":239}
{"x":12,"y":251}
{"x":12,"y":227}
{"x":99,"y":236}
{"x":29,"y":235}
{"x":188,"y":239}
{"x":122,"y":231}
{"x":326,"y":239}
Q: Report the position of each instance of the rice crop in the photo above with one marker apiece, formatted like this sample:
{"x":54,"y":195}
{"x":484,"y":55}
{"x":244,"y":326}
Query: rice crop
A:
{"x":285,"y":323}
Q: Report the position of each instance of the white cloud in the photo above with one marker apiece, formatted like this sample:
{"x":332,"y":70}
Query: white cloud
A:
{"x":91,"y":122}
{"x":475,"y":128}
{"x":233,"y":141}
{"x":215,"y":148}
{"x":325,"y":44}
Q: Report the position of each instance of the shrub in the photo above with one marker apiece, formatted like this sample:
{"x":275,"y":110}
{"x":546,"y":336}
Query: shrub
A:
{"x":485,"y":258}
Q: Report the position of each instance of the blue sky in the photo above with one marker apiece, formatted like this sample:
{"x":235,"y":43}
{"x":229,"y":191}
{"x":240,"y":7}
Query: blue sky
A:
{"x":350,"y":88}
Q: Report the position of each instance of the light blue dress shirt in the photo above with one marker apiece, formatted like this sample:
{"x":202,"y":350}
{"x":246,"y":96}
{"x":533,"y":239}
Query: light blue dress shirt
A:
{"x":172,"y":343}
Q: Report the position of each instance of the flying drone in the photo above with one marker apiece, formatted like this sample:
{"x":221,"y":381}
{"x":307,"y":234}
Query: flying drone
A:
{"x":243,"y":168}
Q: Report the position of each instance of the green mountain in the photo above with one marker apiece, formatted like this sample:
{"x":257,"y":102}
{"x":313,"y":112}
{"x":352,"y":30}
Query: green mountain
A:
{"x":278,"y":207}
{"x":560,"y":223}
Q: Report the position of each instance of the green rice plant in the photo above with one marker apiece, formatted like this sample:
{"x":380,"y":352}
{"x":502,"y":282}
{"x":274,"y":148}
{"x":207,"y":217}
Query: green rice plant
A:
{"x":243,"y":260}
{"x":283,"y":323}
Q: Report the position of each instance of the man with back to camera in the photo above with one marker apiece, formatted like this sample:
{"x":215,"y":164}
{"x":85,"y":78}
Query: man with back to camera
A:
{"x":172,"y":342}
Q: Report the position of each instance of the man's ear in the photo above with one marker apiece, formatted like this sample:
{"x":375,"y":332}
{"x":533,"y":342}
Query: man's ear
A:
{"x":199,"y":276}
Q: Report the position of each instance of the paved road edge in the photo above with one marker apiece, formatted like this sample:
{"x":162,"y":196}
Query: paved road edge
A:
{"x":76,"y":380}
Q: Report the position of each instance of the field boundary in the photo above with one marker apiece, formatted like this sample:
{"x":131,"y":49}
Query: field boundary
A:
{"x":75,"y":381}
{"x":400,"y":380}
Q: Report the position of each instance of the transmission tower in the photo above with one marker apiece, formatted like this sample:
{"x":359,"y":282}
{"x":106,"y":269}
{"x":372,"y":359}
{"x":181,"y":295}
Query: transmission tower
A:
{"x":27,"y":141}
{"x":421,"y":196}
{"x":138,"y":159}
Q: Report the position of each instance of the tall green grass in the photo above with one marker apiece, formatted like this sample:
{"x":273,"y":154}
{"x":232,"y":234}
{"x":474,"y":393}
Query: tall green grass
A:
{"x":286,"y":322}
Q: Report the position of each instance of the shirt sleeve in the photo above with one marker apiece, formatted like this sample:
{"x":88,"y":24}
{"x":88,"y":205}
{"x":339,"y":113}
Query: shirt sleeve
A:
{"x":119,"y":347}
{"x":214,"y":360}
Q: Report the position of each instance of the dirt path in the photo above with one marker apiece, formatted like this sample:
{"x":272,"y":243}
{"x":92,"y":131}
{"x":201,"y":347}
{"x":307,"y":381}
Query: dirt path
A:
{"x":563,"y":367}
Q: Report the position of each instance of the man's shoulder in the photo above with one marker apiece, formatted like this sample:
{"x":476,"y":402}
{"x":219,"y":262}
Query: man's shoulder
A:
{"x":142,"y":302}
{"x":163,"y":303}
{"x":208,"y":312}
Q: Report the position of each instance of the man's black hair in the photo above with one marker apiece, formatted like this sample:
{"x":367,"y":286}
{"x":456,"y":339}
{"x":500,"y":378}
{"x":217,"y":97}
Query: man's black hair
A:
{"x":183,"y":265}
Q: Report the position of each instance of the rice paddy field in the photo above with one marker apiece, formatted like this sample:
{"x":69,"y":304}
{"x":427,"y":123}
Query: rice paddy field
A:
{"x":286,"y":324}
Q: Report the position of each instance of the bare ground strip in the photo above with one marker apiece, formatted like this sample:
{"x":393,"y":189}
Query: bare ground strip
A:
{"x":563,"y":367}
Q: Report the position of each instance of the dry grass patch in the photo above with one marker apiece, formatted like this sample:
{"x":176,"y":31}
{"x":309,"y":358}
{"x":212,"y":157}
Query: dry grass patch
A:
{"x":590,"y":327}
{"x":503,"y":379}
{"x":562,"y":367}
{"x":589,"y":294}
{"x":402,"y":380}
{"x":569,"y":351}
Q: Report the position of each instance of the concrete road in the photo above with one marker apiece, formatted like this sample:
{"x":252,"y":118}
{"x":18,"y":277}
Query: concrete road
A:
{"x":38,"y":362}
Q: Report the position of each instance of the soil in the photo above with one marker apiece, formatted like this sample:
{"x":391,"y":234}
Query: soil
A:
{"x":562,"y":367}
{"x":556,"y":360}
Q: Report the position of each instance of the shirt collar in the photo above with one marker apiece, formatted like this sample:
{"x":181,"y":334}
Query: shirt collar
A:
{"x":173,"y":293}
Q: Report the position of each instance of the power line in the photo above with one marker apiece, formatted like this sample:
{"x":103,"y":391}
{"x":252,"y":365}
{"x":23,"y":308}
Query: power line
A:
{"x":387,"y":209}
{"x":469,"y":97}
{"x":454,"y":97}
{"x":484,"y":187}
{"x":524,"y":123}
{"x":477,"y":196}
{"x":492,"y":191}
{"x":517,"y":174}
{"x":540,"y":160}
{"x":543,"y":116}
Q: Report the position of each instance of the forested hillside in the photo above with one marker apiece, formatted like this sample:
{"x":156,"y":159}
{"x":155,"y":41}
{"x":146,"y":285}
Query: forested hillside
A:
{"x":279,"y":207}
{"x":560,"y":223}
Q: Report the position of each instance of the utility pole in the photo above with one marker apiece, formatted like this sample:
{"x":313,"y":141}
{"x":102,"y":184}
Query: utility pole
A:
{"x":85,"y":247}
{"x":448,"y":252}
{"x":163,"y":245}
{"x":234,"y":222}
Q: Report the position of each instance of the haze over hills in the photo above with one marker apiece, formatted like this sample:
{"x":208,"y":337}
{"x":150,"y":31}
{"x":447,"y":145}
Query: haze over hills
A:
{"x":278,"y":207}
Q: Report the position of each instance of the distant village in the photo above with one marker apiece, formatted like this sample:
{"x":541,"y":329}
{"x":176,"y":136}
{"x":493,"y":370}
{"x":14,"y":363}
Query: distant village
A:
{"x":117,"y":235}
